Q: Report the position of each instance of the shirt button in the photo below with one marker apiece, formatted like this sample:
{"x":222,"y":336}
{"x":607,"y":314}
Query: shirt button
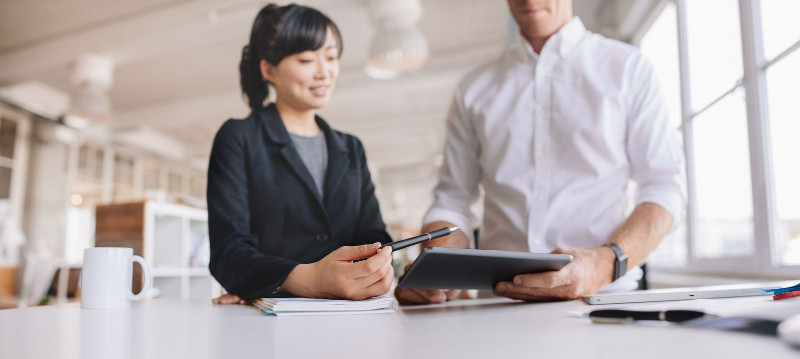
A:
{"x":322,"y":237}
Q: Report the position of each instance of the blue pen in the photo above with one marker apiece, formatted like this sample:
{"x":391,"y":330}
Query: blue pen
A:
{"x":777,"y":291}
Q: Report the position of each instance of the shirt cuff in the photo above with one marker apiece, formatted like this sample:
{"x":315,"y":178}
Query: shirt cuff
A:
{"x":667,"y":197}
{"x":459,"y":219}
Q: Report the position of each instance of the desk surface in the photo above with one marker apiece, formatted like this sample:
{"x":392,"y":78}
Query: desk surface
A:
{"x":485,"y":328}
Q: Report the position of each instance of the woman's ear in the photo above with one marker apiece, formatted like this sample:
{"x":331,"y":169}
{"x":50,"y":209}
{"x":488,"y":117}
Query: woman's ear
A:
{"x":267,"y":71}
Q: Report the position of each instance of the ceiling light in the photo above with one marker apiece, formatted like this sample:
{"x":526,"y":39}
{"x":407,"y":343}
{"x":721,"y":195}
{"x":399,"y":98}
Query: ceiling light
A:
{"x":398,"y":46}
{"x":91,"y":81}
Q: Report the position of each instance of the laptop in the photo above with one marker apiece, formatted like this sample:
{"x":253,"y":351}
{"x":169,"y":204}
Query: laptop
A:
{"x":687,"y":293}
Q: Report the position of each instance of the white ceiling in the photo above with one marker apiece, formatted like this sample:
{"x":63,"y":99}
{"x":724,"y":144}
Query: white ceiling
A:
{"x":177,"y":70}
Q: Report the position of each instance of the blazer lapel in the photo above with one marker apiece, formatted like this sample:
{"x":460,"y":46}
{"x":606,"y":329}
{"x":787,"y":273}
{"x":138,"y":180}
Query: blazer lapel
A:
{"x":277,"y":133}
{"x":338,"y":160}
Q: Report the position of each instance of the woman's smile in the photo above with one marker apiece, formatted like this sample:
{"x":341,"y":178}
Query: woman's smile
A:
{"x":320,"y":90}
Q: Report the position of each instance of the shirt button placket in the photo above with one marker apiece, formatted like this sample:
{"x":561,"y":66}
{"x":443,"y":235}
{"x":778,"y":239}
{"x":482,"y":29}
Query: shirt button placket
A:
{"x":539,"y":189}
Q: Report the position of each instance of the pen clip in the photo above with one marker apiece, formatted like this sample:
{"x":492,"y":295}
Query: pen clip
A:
{"x":609,"y":320}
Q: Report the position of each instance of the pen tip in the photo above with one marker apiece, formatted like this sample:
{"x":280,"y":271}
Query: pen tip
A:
{"x":453,"y":229}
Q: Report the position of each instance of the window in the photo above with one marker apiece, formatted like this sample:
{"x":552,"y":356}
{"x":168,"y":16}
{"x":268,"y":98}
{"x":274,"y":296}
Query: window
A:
{"x":735,"y":227}
{"x":660,"y":45}
{"x":715,"y":48}
{"x":782,"y":89}
{"x":8,"y":137}
{"x":123,"y":178}
{"x":724,"y":199}
{"x":779,"y":19}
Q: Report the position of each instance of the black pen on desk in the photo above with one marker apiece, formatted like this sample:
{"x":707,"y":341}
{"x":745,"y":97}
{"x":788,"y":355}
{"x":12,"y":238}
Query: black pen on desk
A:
{"x":628,"y":316}
{"x":446,"y":231}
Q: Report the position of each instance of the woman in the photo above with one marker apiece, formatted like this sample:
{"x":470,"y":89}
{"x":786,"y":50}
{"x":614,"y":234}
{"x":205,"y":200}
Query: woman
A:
{"x":291,"y":204}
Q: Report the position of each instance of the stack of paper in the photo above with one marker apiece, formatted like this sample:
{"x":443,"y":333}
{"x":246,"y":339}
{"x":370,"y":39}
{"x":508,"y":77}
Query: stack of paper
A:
{"x":308,"y":306}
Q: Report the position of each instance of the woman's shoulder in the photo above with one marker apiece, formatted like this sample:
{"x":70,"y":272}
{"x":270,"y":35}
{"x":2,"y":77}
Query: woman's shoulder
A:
{"x":240,"y":124}
{"x":238,"y":128}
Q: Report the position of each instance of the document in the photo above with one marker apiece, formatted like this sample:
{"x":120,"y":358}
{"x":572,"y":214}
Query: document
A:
{"x":310,"y":306}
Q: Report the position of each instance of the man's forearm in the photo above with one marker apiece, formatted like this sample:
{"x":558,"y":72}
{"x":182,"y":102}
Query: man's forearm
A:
{"x":457,"y":239}
{"x":641,"y":233}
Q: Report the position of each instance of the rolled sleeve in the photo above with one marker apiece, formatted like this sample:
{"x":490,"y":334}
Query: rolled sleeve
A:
{"x":460,"y":174}
{"x":654,"y":151}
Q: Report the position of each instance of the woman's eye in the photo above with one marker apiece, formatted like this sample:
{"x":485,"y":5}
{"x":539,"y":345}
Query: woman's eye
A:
{"x":306,"y":61}
{"x":332,"y":58}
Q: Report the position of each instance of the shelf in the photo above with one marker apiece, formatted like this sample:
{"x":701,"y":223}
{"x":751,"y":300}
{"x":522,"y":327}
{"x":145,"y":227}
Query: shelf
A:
{"x":199,"y":272}
{"x":172,"y":238}
{"x":180,"y":272}
{"x":169,"y":287}
{"x":167,"y":272}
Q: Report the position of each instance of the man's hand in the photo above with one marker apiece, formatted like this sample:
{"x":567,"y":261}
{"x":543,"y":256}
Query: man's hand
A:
{"x":430,"y":296}
{"x":590,"y":270}
{"x":424,"y":296}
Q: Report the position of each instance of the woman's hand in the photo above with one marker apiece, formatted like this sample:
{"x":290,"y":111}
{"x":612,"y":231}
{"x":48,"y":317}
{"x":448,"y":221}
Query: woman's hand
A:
{"x":339,"y":276}
{"x":228,"y":298}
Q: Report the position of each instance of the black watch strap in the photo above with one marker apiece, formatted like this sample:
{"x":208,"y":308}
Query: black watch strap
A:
{"x":621,"y":264}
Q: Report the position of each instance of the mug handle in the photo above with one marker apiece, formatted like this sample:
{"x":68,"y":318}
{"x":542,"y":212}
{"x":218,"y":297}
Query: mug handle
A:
{"x":148,"y":278}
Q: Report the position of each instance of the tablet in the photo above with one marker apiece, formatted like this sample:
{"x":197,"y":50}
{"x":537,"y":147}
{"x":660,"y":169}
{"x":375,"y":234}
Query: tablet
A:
{"x":459,"y":268}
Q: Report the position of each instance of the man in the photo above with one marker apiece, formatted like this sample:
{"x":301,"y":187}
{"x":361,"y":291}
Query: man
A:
{"x":553,"y":131}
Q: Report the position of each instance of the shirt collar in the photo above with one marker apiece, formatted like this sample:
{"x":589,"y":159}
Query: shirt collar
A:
{"x":565,"y":38}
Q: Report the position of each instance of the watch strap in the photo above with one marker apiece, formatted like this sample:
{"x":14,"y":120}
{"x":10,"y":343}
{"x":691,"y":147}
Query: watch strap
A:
{"x":621,"y":263}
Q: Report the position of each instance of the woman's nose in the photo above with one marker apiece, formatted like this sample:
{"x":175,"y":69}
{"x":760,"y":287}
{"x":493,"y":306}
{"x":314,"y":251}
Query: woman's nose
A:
{"x":323,"y":69}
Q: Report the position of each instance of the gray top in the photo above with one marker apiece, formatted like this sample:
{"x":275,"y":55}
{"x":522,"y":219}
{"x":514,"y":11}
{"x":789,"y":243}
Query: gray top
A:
{"x":314,"y":152}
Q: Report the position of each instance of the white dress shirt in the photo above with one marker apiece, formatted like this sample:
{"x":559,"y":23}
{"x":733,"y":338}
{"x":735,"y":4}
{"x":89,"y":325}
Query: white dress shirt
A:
{"x":555,"y":139}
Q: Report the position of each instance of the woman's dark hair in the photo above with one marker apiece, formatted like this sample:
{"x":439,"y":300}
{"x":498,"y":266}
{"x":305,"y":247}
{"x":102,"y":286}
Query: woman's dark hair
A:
{"x":280,"y":31}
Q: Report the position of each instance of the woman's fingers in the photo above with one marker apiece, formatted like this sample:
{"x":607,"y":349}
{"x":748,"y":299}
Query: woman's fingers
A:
{"x":378,"y":275}
{"x":452,"y":294}
{"x":228,"y":298}
{"x":372,"y":264}
{"x":383,"y":285}
{"x":231,"y":299}
{"x":352,"y":253}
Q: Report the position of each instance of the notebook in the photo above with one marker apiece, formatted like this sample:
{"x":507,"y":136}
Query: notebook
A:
{"x":310,"y":306}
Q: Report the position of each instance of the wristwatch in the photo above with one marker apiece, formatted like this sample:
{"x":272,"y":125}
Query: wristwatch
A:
{"x":621,"y":264}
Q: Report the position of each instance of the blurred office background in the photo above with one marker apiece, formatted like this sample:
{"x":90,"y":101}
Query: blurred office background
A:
{"x":108,"y":110}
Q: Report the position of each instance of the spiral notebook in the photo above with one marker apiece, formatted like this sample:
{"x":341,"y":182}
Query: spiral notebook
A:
{"x":309,"y":306}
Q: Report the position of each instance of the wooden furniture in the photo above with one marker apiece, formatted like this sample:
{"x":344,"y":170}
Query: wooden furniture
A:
{"x":172,"y":238}
{"x":8,"y":281}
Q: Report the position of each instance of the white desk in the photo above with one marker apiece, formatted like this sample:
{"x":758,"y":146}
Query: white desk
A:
{"x":486,"y":328}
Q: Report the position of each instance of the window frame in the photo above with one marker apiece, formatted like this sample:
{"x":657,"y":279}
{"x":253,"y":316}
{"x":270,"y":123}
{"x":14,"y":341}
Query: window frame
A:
{"x":764,"y":261}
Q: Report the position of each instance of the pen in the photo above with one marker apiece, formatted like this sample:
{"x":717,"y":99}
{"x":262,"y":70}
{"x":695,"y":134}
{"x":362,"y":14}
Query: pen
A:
{"x":786,"y":295}
{"x":778,"y":291}
{"x":420,"y":238}
{"x":627,"y":316}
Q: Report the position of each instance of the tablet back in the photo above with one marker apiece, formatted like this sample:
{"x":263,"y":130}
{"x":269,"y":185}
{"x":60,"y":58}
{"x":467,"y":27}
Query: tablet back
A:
{"x":458,"y":268}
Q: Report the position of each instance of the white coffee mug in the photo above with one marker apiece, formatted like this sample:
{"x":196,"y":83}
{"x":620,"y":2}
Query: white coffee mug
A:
{"x":106,"y":277}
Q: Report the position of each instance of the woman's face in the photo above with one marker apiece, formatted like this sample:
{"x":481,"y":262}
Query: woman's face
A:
{"x":305,"y":80}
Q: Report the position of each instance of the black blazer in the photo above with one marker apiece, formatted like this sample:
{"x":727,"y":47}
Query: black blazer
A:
{"x":265,"y":215}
